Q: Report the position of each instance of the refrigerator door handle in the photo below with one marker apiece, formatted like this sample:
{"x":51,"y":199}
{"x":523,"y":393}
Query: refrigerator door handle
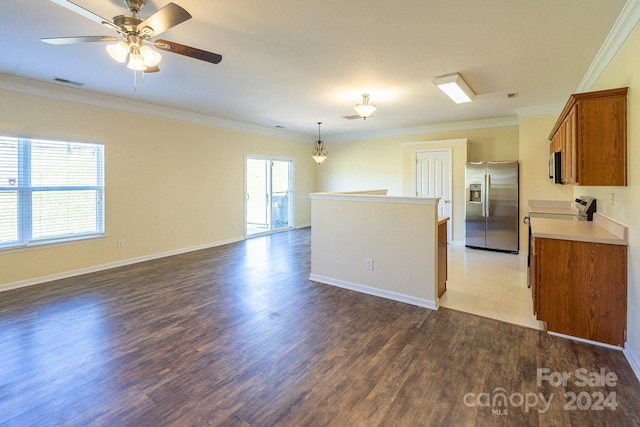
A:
{"x":483,"y":196}
{"x":487,"y":192}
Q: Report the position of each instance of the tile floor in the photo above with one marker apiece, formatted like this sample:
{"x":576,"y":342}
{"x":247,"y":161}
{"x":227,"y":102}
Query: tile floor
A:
{"x":489,"y":284}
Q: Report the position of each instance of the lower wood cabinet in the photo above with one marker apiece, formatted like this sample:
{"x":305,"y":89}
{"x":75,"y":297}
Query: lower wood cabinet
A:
{"x":580,"y":288}
{"x":442,"y":258}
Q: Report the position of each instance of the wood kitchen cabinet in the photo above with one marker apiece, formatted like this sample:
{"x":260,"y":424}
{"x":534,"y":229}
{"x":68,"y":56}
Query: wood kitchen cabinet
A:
{"x":580,"y":288}
{"x":591,"y":134}
{"x":442,"y":258}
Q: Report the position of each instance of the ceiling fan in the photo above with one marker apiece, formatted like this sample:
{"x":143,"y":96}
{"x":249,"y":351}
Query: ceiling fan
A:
{"x":135,"y":35}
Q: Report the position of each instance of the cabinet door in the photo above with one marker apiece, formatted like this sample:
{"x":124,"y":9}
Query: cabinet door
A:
{"x":533,"y":275}
{"x":572,"y":145}
{"x":602,"y":134}
{"x":566,"y":155}
{"x":442,"y":259}
{"x":582,"y":289}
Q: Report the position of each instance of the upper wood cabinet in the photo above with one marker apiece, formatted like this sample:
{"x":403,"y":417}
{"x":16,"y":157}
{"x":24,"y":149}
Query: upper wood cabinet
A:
{"x":591,"y":134}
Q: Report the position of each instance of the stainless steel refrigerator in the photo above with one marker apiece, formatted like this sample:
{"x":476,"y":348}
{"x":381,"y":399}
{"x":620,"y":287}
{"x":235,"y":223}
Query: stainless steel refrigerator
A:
{"x":492,"y":206}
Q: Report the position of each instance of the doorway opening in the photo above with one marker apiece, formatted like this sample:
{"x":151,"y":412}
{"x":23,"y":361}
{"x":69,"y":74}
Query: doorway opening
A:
{"x":268,"y":195}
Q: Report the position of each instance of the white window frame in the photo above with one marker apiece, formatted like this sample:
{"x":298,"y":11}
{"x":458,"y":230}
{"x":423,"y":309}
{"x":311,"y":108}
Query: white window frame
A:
{"x":25,"y":196}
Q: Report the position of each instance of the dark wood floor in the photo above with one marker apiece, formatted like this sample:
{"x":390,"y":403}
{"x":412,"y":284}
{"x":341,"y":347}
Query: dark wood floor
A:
{"x":238,"y":336}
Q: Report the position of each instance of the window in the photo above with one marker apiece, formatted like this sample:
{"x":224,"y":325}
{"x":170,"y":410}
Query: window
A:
{"x":50,"y":191}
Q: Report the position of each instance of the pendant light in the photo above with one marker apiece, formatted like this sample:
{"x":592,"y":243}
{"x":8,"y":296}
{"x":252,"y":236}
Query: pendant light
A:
{"x":319,"y":154}
{"x":365,"y":110}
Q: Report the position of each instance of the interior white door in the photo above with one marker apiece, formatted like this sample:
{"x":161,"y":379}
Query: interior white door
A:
{"x":433,"y":179}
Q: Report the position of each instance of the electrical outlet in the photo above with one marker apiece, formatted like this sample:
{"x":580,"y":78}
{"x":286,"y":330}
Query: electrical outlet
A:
{"x":121,"y":243}
{"x":368,"y":264}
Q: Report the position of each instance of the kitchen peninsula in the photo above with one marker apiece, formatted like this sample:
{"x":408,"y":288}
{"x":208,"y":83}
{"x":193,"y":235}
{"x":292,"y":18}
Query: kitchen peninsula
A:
{"x":378,"y":244}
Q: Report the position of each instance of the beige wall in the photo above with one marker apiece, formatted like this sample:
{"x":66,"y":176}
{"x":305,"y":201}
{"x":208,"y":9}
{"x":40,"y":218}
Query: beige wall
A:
{"x":169,"y":185}
{"x":387,"y":163}
{"x":534,"y":162}
{"x":398,"y":234}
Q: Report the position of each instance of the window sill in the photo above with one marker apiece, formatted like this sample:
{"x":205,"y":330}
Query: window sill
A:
{"x":52,"y":244}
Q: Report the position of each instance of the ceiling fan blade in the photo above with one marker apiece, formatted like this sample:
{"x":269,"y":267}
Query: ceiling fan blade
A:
{"x":193,"y":52}
{"x":165,"y":18}
{"x":81,"y":11}
{"x":82,"y":39}
{"x":153,"y":69}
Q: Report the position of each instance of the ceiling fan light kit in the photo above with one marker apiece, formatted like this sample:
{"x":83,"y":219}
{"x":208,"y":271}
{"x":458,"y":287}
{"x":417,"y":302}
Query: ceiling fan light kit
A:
{"x":455,"y":88}
{"x":365,"y":109}
{"x":136,"y":61}
{"x":118,"y":51}
{"x":134,"y":35}
{"x":151,"y":57}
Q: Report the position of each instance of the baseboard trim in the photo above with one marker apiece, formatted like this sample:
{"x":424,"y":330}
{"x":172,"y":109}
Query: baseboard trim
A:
{"x":110,"y":265}
{"x":633,"y":361}
{"x":600,"y":344}
{"x":374,"y":291}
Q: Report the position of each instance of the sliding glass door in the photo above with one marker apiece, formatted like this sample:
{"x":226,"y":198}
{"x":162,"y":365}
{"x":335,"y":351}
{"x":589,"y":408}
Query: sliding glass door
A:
{"x":268,"y":191}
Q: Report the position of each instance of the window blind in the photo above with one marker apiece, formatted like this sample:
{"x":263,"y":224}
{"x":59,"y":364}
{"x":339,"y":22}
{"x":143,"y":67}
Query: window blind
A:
{"x":50,"y":191}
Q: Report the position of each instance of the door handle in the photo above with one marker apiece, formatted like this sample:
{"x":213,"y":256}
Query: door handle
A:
{"x":487,"y":193}
{"x":483,"y":196}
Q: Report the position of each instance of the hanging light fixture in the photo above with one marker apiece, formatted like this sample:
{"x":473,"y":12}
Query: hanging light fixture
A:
{"x":136,"y":61}
{"x":365,"y":110}
{"x":119,"y":51}
{"x":140,"y":57}
{"x":319,"y":154}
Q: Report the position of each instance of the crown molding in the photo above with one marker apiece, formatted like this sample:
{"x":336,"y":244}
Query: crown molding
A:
{"x":49,"y":90}
{"x":624,"y":26}
{"x":539,"y":111}
{"x":422,"y":130}
{"x":438,"y":141}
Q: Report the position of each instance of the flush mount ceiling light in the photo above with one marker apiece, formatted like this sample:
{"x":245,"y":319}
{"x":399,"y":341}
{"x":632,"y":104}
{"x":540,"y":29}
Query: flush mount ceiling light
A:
{"x":319,"y":154}
{"x":455,"y":88}
{"x":365,"y":110}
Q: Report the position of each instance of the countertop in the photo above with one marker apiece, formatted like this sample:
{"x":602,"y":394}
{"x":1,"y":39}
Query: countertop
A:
{"x":600,"y":230}
{"x":556,"y":207}
{"x":442,"y":219}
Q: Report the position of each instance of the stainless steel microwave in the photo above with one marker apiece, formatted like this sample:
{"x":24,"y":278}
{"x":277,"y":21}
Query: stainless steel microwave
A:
{"x":555,"y":167}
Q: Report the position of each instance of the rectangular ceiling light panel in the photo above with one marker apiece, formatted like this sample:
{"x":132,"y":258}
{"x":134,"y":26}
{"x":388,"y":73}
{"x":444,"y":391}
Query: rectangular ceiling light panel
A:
{"x":455,"y":88}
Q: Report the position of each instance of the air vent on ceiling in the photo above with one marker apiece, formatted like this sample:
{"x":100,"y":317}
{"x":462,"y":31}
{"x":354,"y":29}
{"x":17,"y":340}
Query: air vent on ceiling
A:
{"x":353,"y":117}
{"x":69,"y":82}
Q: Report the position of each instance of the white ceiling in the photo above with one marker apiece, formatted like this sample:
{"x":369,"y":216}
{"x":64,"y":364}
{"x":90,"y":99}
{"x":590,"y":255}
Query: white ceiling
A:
{"x":294,"y":63}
